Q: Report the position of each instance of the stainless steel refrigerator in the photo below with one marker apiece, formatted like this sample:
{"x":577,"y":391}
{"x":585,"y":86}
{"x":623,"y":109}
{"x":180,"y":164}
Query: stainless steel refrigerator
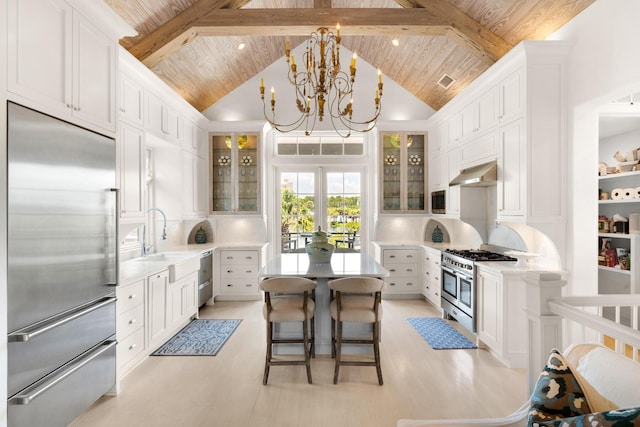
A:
{"x":62,"y":268}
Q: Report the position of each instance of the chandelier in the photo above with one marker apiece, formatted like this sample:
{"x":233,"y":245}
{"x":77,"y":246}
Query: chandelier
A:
{"x":322,"y":84}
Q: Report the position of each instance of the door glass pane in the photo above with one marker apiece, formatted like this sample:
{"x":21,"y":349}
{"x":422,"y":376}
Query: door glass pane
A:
{"x":391,"y":171}
{"x":465,"y":293}
{"x":343,"y":209}
{"x":221,"y":173}
{"x":450,"y":284}
{"x":297,"y":206}
{"x":247,"y":173}
{"x":416,"y":172}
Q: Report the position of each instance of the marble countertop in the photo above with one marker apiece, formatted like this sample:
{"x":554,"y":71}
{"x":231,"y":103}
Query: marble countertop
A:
{"x":139,"y":268}
{"x":341,"y":265}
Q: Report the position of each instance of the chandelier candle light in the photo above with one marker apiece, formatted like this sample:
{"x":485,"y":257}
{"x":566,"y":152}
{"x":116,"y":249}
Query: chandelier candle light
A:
{"x":321,"y":84}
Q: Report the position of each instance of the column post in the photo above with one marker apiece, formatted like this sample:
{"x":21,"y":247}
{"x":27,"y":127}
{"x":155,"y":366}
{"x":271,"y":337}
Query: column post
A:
{"x":544,"y":327}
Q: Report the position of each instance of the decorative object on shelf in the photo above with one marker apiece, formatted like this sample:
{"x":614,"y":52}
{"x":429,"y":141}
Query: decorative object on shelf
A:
{"x":323,"y":84}
{"x":201,"y":236}
{"x":224,"y":160}
{"x":437,"y":235}
{"x":390,"y":159}
{"x":246,"y":160}
{"x":414,"y":159}
{"x":319,"y":250}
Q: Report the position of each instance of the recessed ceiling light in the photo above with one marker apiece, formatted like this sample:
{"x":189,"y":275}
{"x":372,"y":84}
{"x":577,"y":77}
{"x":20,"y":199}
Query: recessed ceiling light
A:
{"x":395,"y":42}
{"x":241,"y":45}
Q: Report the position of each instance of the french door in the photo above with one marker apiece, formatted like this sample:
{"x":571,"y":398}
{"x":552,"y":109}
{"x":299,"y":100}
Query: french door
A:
{"x":326,"y":197}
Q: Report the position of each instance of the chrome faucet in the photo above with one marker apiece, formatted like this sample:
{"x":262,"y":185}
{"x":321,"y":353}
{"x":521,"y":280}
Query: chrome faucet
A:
{"x":164,"y":222}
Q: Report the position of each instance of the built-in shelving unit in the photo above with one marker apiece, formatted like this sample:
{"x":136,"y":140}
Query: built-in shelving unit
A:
{"x":619,"y":133}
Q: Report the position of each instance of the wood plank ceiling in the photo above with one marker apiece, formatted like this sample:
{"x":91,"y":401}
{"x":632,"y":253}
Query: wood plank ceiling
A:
{"x":193,"y":44}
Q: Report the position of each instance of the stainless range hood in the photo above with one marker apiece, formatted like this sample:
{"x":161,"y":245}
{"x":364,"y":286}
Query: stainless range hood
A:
{"x":481,"y":175}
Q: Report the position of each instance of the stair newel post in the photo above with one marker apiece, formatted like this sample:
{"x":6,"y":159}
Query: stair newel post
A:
{"x":545,"y":328}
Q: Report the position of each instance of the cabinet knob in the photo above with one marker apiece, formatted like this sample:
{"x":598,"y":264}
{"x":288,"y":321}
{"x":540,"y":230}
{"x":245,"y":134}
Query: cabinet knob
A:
{"x":132,"y":296}
{"x":132,"y":346}
{"x":409,"y":284}
{"x":427,"y":273}
{"x":229,"y":285}
{"x":229,"y":271}
{"x":132,"y":321}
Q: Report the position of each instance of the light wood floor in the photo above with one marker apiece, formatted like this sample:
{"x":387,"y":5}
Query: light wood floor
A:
{"x":226,"y":390}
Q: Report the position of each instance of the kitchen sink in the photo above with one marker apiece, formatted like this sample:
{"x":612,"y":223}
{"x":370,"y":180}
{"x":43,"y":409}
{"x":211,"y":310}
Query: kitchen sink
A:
{"x":179,"y":264}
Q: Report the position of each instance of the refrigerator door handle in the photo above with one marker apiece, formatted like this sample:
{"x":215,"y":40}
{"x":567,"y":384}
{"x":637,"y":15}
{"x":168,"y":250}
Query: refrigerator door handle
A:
{"x":32,"y":392}
{"x":116,"y":192}
{"x":39,"y":328}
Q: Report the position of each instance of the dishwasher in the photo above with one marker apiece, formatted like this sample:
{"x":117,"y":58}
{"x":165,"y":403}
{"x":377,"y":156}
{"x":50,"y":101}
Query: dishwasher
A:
{"x":205,"y":278}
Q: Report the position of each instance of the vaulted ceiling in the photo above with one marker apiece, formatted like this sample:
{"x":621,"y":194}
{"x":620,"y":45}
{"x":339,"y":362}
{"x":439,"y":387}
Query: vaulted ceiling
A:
{"x":193,"y":44}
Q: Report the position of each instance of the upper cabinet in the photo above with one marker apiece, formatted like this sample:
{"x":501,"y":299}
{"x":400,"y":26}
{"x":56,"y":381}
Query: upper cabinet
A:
{"x":162,"y":119}
{"x":514,"y":113}
{"x":235,"y":173}
{"x":403,"y":172}
{"x":61,"y":63}
{"x":131,"y":100}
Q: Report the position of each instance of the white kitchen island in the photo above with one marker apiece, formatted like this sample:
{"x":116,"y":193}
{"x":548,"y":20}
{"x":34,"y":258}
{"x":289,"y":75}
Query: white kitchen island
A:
{"x":341,"y":265}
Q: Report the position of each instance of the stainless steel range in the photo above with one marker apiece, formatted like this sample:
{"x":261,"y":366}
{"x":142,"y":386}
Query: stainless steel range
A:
{"x":459,"y":283}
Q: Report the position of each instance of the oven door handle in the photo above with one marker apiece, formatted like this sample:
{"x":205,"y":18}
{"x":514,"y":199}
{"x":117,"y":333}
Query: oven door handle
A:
{"x":456,"y":273}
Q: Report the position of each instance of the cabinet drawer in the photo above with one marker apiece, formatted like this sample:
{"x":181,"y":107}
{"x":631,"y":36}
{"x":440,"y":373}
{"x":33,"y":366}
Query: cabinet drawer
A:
{"x":230,"y":271}
{"x":403,"y":284}
{"x":130,"y":321}
{"x":130,"y":296}
{"x":402,"y":270}
{"x":239,"y":286}
{"x":239,"y":257}
{"x":130,"y":347}
{"x":391,"y":256}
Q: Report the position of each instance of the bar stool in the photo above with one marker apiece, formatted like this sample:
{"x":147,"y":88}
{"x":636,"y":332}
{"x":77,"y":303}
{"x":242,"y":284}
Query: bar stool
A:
{"x":288,"y":299}
{"x":357,"y":299}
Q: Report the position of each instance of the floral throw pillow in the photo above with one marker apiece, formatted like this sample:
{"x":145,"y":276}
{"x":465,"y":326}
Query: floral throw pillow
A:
{"x":557,"y":393}
{"x":615,"y":418}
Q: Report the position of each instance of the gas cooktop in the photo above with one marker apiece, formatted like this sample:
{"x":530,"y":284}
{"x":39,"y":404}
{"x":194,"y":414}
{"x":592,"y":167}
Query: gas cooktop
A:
{"x":479,"y":255}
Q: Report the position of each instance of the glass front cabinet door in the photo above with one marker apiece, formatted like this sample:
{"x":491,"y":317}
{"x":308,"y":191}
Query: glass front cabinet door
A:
{"x":234,"y":173}
{"x":403,"y":172}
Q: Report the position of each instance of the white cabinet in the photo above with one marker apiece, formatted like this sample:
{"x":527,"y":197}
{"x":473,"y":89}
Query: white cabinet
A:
{"x":131,"y":173}
{"x":195,"y":174}
{"x":162,"y":120}
{"x":61,"y":63}
{"x":479,"y":150}
{"x":404,"y":267}
{"x":131,"y":100}
{"x":453,"y":192}
{"x":511,"y":96}
{"x":432,"y":284}
{"x":501,"y":318}
{"x":183,"y":303}
{"x":479,"y":115}
{"x":238,"y":274}
{"x":511,"y":188}
{"x":157,"y":308}
{"x":130,"y":325}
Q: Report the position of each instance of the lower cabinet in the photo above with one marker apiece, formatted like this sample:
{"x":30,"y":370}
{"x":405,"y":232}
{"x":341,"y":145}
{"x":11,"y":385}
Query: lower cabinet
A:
{"x":129,"y":325}
{"x":432,"y":284}
{"x":404,"y":266}
{"x":501,"y":319}
{"x":149,"y":312}
{"x":238,"y":274}
{"x":183,"y":298}
{"x":157,"y":306}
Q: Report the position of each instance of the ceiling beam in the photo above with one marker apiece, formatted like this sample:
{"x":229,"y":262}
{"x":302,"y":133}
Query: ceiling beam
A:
{"x":299,"y":21}
{"x":464,"y":30}
{"x":177,"y":32}
{"x":423,"y":17}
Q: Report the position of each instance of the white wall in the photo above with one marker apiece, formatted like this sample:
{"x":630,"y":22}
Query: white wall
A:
{"x":604,"y":65}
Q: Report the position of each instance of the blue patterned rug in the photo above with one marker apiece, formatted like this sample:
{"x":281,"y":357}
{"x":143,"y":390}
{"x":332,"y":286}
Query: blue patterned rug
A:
{"x":439,"y":334}
{"x":201,"y":337}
